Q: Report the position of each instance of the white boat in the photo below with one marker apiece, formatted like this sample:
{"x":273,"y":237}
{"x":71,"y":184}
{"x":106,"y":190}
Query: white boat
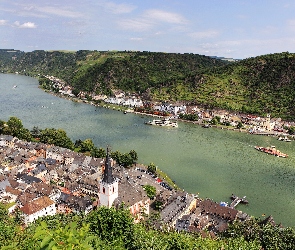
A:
{"x":15,"y":86}
{"x":166,"y":122}
{"x":284,"y":139}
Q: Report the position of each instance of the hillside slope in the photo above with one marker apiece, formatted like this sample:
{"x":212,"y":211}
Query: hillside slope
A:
{"x":259,"y":85}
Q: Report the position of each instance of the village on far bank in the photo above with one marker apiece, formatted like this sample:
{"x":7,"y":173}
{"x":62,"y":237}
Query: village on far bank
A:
{"x":223,"y":119}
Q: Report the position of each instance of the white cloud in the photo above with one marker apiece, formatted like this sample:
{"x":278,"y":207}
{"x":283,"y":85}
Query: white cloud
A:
{"x":117,"y":8}
{"x":28,"y":25}
{"x":3,"y":22}
{"x":136,"y":39}
{"x":136,"y":24}
{"x":150,"y":19}
{"x":42,"y":11}
{"x":58,"y":11}
{"x":204,"y":34}
{"x":165,"y":16}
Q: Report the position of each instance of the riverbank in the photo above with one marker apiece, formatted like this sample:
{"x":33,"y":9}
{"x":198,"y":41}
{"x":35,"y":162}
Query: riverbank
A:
{"x":200,"y":122}
{"x":212,"y":162}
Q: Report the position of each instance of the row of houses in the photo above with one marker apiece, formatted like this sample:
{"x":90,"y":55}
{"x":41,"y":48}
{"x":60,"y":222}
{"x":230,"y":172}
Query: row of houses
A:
{"x":254,"y":124}
{"x":41,"y":179}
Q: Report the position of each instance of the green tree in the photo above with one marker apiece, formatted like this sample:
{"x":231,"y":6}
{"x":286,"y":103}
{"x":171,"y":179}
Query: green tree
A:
{"x":87,"y":146}
{"x":24,"y":134}
{"x":150,"y":190}
{"x":117,"y":156}
{"x":2,"y":125}
{"x":98,"y":152}
{"x":13,"y":126}
{"x":126,"y":160}
{"x":8,"y":228}
{"x":291,"y":130}
{"x":133,"y":155}
{"x":152,"y":168}
{"x":239,"y":125}
{"x":112,"y":225}
{"x":58,"y":137}
{"x":35,"y":132}
{"x":68,"y":237}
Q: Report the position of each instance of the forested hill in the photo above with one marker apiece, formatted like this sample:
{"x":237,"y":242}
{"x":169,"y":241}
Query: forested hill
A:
{"x":259,"y":85}
{"x":103,"y":71}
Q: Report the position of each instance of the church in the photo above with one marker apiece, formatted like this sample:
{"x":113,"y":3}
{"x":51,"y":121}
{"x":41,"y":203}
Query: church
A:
{"x":118,"y":190}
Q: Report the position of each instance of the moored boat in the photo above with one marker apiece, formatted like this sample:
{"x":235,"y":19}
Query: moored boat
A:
{"x":166,"y":122}
{"x":284,"y":139}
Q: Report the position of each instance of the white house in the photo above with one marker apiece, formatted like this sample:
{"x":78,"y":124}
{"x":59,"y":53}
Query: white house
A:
{"x":42,"y":206}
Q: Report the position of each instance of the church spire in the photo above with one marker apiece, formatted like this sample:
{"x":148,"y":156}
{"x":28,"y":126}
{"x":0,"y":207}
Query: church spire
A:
{"x":108,"y":173}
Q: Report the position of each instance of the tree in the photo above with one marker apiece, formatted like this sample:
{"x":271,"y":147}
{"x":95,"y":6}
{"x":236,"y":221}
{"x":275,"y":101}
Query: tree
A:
{"x":112,"y":225}
{"x":68,"y":237}
{"x":291,"y":130}
{"x":214,"y":121}
{"x":13,"y":126}
{"x":2,"y":125}
{"x":35,"y":132}
{"x":98,"y":153}
{"x":7,"y":227}
{"x":87,"y":146}
{"x":24,"y":134}
{"x":117,"y":156}
{"x":58,"y":137}
{"x":150,"y":190}
{"x":152,"y":168}
{"x":126,"y":160}
{"x":239,"y":125}
{"x":133,"y":155}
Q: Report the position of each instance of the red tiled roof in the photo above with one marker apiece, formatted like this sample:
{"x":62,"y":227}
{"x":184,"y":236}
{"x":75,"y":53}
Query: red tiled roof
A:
{"x":11,"y":190}
{"x":36,"y":205}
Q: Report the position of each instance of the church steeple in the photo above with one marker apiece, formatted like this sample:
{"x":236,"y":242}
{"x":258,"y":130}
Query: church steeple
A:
{"x":108,"y":172}
{"x":108,"y":185}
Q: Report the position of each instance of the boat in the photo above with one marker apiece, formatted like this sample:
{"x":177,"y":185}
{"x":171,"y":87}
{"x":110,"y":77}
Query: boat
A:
{"x":15,"y":86}
{"x":206,"y":125}
{"x":166,"y":122}
{"x":242,"y":200}
{"x":284,"y":139}
{"x":272,"y":151}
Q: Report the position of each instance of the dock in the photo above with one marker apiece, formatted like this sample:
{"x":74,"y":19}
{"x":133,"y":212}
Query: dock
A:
{"x":237,"y":200}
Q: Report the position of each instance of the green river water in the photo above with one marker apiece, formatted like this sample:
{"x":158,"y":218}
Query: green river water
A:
{"x":211,"y":162}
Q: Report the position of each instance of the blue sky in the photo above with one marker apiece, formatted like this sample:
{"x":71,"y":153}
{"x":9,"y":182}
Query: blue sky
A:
{"x":229,"y":28}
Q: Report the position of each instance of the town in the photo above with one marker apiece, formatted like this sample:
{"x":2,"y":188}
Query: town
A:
{"x":38,"y":180}
{"x":252,"y":124}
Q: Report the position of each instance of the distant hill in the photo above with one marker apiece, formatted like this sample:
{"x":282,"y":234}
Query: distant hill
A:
{"x":259,"y":85}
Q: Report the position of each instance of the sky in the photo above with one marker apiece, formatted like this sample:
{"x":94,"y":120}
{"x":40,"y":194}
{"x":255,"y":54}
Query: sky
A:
{"x":226,"y":28}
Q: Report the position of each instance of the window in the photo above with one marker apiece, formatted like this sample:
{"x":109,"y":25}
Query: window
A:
{"x":103,"y":190}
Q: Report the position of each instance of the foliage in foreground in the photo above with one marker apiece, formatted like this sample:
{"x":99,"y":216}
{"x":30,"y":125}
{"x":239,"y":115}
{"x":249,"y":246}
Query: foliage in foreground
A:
{"x":114,"y":229}
{"x":103,"y":229}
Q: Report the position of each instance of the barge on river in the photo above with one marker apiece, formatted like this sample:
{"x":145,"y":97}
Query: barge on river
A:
{"x":272,"y":151}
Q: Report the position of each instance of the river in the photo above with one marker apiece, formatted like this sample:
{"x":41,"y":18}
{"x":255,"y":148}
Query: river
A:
{"x":211,"y":162}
